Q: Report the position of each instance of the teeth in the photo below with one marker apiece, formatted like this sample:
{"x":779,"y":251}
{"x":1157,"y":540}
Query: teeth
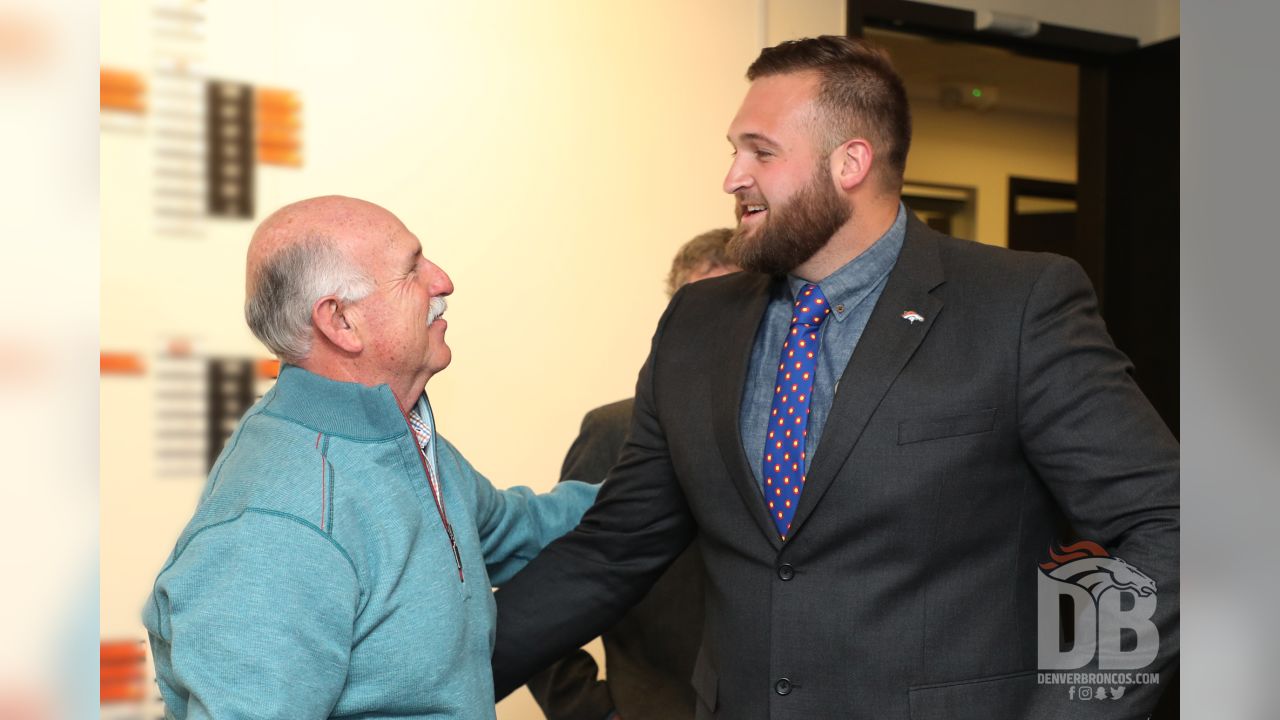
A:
{"x":755,"y":208}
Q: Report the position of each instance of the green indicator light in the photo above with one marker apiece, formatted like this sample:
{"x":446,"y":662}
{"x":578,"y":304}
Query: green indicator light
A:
{"x":977,"y":92}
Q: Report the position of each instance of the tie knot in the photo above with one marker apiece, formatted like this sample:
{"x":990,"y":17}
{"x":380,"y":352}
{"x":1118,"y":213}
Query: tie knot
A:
{"x":810,"y":307}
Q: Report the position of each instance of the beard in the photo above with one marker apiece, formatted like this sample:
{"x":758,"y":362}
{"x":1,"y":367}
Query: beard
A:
{"x":792,"y":232}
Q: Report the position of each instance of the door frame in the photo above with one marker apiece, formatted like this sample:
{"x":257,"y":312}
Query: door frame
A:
{"x":1091,"y":51}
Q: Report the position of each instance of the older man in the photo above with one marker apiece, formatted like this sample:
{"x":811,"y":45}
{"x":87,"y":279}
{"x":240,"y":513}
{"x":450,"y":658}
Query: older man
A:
{"x":340,"y":560}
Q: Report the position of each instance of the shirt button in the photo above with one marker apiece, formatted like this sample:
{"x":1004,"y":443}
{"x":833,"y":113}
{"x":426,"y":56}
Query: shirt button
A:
{"x":782,"y":687}
{"x":839,"y":308}
{"x":786,"y":572}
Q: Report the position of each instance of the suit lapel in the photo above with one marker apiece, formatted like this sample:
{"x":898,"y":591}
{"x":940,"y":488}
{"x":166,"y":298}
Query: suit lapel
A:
{"x":887,"y":343}
{"x":743,"y":321}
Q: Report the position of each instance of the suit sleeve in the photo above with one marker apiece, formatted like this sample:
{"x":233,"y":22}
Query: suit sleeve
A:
{"x":253,"y":619}
{"x":599,"y":442}
{"x":571,"y":689}
{"x":1099,"y":446}
{"x":583,"y":583}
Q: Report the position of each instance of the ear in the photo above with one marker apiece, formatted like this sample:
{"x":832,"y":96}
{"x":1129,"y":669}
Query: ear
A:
{"x":337,"y":322}
{"x":852,"y":162}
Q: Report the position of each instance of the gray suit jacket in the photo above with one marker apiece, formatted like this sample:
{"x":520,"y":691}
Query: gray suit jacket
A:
{"x":957,"y":450}
{"x":649,"y":654}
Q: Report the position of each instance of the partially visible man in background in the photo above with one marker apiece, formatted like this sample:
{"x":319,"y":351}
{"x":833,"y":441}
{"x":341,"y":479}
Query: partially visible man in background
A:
{"x":340,"y":560}
{"x":649,"y":654}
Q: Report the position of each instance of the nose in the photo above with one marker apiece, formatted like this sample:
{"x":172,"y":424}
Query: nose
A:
{"x":736,"y":179}
{"x":440,"y":282}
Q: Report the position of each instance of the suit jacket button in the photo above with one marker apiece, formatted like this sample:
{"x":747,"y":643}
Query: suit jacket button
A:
{"x":782,"y":687}
{"x":786,"y":572}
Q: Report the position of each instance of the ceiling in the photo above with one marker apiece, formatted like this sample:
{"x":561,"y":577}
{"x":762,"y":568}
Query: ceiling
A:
{"x":1025,"y":84}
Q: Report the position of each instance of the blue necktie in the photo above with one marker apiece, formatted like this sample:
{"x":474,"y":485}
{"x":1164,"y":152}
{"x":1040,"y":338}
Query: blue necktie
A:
{"x":784,"y":447}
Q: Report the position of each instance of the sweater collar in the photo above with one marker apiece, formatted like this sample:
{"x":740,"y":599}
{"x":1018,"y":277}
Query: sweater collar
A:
{"x":348,"y":409}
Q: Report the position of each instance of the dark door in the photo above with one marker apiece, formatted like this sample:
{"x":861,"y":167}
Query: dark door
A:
{"x":1129,"y":214}
{"x":1128,"y":209}
{"x":1042,"y":216}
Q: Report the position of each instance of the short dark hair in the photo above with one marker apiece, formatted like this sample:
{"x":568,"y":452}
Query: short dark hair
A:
{"x":704,"y":252}
{"x":860,"y":93}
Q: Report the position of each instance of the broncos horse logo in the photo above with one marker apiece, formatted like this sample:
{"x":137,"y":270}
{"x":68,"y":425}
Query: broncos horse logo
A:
{"x":1088,"y":565}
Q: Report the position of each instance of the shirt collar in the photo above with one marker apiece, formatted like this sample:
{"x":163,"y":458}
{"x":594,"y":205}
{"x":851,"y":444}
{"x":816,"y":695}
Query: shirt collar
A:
{"x":846,"y":287}
{"x":420,"y":421}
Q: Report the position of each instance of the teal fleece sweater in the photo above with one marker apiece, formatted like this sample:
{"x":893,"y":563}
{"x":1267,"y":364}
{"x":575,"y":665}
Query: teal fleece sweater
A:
{"x":316,"y":578}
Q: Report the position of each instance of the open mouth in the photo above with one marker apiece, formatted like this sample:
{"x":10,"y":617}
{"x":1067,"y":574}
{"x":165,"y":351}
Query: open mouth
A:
{"x":753,"y":210}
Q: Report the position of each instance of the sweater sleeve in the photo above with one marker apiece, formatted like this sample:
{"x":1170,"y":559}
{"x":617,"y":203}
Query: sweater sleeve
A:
{"x":253,"y":618}
{"x":516,"y":523}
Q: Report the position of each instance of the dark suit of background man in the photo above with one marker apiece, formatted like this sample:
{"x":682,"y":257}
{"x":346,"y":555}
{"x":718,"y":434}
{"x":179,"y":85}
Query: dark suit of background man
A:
{"x":967,"y":410}
{"x":649,"y":654}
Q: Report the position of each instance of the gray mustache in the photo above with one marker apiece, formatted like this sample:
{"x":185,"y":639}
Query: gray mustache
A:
{"x":438,"y":306}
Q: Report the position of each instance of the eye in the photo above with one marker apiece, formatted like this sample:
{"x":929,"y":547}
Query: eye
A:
{"x":763,"y":154}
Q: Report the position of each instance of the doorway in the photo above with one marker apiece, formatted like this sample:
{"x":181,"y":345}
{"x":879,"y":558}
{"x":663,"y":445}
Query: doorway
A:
{"x":1042,"y":216}
{"x":1126,"y":162}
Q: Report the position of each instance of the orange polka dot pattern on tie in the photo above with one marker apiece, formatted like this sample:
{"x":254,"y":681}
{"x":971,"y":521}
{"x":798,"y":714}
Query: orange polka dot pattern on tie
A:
{"x":784,"y":449}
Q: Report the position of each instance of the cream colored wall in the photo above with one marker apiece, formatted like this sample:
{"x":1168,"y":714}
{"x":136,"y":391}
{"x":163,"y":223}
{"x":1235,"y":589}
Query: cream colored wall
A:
{"x":790,"y":19}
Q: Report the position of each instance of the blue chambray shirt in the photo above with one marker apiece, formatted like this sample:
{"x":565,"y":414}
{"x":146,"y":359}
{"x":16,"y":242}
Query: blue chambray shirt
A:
{"x":852,"y":292}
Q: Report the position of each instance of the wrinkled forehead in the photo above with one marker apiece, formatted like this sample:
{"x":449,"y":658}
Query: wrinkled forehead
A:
{"x":384,"y":247}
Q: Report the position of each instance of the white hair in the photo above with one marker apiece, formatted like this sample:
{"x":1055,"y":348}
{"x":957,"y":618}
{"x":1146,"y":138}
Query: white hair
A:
{"x":286,"y":286}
